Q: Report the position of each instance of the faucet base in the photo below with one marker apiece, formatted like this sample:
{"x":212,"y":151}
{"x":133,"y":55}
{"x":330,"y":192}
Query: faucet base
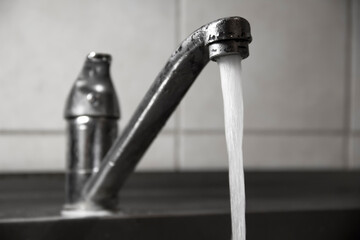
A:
{"x":86,"y":210}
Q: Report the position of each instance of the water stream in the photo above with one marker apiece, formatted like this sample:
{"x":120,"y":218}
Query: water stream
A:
{"x":230,"y":72}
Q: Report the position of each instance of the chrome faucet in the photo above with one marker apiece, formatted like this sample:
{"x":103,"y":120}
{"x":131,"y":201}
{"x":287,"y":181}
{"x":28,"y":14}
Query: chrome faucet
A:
{"x":222,"y":37}
{"x":92,"y":111}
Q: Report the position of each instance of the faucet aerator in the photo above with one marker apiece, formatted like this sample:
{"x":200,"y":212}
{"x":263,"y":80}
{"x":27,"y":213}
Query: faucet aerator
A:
{"x":228,"y":36}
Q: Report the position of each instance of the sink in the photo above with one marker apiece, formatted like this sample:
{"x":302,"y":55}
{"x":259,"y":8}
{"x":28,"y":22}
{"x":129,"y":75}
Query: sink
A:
{"x":190,"y":205}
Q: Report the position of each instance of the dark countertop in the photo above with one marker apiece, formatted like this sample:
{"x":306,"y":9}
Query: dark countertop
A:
{"x":24,"y":196}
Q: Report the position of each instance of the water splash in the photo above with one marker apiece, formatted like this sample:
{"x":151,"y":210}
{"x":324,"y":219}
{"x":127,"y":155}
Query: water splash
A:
{"x":230,"y":71}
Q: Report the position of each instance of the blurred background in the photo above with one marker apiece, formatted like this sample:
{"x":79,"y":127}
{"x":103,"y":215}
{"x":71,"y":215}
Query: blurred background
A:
{"x":301,"y":81}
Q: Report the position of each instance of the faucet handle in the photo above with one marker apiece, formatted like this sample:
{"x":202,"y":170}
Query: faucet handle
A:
{"x":93,"y":93}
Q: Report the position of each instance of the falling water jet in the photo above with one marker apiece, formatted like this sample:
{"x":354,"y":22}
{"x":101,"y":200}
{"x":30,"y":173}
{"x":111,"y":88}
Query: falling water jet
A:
{"x":230,"y":71}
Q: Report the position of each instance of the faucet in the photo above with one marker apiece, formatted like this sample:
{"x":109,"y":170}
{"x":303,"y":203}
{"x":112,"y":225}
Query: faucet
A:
{"x":222,"y":37}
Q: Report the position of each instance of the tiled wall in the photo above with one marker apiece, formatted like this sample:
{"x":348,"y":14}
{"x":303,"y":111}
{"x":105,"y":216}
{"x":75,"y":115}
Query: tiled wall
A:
{"x":301,"y":81}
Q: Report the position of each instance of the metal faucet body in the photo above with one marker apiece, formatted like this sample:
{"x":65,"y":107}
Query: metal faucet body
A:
{"x":222,"y":37}
{"x":91,"y":112}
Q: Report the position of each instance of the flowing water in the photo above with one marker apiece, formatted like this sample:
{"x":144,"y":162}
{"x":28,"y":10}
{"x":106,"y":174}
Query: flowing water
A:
{"x":230,"y":71}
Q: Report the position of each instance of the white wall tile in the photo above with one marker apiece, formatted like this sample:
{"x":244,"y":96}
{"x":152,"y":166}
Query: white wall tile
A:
{"x":160,"y":155}
{"x":295,"y":75}
{"x":44,"y":44}
{"x":22,"y":153}
{"x":202,"y":107}
{"x":203,"y":152}
{"x":294,"y":152}
{"x":264,"y":152}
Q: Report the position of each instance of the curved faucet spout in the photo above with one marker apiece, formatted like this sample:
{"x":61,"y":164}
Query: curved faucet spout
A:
{"x":221,"y":37}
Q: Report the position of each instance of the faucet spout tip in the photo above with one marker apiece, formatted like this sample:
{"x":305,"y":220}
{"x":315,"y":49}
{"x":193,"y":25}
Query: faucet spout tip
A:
{"x":228,"y":36}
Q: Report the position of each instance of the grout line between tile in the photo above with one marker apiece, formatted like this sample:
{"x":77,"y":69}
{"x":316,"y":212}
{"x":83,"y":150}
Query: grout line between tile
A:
{"x":348,"y":88}
{"x":354,"y":62}
{"x":178,"y":131}
{"x":5,"y":132}
{"x":268,"y":132}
